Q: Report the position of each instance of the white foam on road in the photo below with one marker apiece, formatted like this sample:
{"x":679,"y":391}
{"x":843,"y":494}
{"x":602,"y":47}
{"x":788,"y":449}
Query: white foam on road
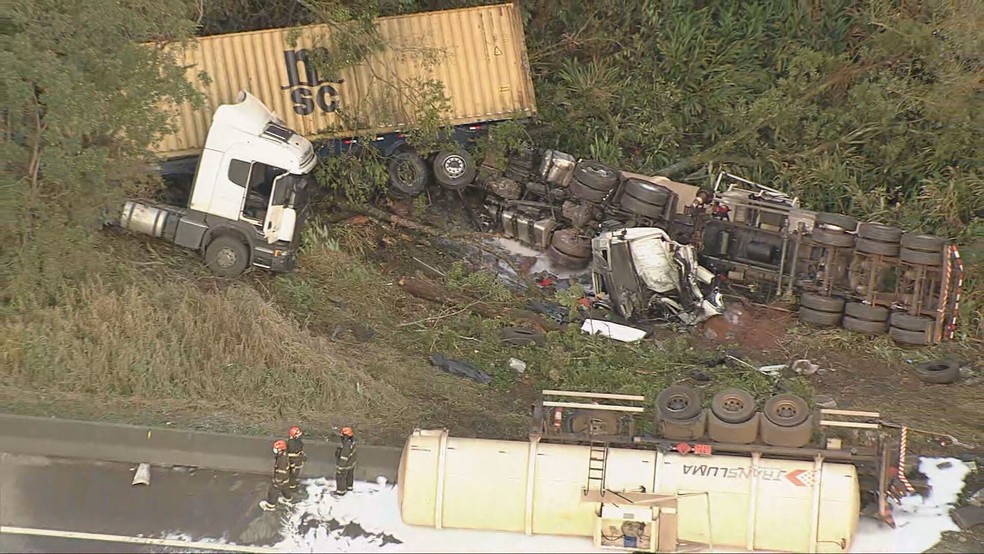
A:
{"x":920,"y":522}
{"x":317,"y":524}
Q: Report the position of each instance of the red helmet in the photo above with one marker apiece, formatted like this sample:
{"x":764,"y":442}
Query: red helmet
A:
{"x":294,"y":432}
{"x":346,"y":431}
{"x":280,"y":445}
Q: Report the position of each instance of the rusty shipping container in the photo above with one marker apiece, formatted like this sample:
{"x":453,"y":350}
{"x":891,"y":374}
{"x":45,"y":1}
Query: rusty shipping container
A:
{"x":479,"y":54}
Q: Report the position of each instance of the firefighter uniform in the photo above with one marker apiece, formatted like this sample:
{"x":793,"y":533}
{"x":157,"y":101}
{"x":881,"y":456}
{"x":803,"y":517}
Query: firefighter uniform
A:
{"x":345,"y":462}
{"x":295,"y":458}
{"x":279,"y":487}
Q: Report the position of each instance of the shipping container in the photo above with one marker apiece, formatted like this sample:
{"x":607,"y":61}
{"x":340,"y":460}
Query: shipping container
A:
{"x":478,"y":54}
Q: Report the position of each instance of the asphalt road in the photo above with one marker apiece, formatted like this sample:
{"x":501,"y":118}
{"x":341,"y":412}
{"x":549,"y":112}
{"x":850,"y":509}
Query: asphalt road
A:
{"x":97,"y":498}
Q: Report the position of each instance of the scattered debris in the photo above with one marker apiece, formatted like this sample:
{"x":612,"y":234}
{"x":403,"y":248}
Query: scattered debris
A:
{"x":517,"y":365}
{"x":552,"y":310}
{"x":824,"y":401}
{"x":805,"y":367}
{"x":968,"y":517}
{"x":460,"y":369}
{"x":700,"y":376}
{"x":522,"y":336}
{"x":944,"y":465}
{"x":977,"y":499}
{"x":142,"y":475}
{"x":772,"y":370}
{"x":611,"y":330}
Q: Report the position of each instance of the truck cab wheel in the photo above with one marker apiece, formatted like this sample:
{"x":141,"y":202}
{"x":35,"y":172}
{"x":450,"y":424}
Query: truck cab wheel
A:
{"x":454,"y":170}
{"x":227,"y":256}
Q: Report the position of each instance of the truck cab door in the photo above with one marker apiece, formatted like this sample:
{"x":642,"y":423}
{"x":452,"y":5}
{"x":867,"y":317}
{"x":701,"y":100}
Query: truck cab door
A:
{"x":280,"y":219}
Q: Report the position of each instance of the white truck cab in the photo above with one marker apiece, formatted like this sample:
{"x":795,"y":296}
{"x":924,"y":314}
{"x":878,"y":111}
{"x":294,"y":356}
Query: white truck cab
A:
{"x":250,"y":197}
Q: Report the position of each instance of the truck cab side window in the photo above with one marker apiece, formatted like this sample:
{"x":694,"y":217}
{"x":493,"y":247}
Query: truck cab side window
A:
{"x":239,"y":172}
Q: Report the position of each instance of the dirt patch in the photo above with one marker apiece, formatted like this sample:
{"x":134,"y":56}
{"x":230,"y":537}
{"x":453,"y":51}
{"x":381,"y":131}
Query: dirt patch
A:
{"x":761,"y":328}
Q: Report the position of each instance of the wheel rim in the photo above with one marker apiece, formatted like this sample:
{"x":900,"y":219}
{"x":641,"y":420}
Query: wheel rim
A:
{"x":732,"y":404}
{"x":598,"y":171}
{"x":406,"y":171}
{"x":677,"y":403}
{"x":454,"y":166}
{"x":786,"y":410}
{"x":226,"y":258}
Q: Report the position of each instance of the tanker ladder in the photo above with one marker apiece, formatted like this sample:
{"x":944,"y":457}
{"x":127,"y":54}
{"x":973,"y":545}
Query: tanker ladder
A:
{"x":597,"y":463}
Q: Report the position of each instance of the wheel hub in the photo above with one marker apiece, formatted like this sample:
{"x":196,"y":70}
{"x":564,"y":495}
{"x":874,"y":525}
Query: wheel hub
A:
{"x":454,"y":166}
{"x":732,"y":404}
{"x":677,"y":403}
{"x":226,"y":258}
{"x":786,"y":410}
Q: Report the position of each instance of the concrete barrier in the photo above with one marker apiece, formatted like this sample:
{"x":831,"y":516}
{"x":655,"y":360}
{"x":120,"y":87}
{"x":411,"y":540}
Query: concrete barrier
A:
{"x":160,"y":446}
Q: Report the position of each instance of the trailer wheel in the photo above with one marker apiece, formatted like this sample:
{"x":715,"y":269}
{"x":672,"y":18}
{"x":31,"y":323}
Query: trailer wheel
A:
{"x":864,"y":326}
{"x":857,"y":310}
{"x":786,"y":410}
{"x":788,"y":437}
{"x":908,"y":322}
{"x":915,"y":338}
{"x":594,"y":422}
{"x":921,"y":257}
{"x":938,"y":372}
{"x":407,"y":173}
{"x":566,"y":260}
{"x":840,"y":221}
{"x":454,"y":170}
{"x":596,"y":175}
{"x":836,"y":239}
{"x":871,"y":246}
{"x":686,"y":429}
{"x":879,"y":232}
{"x":587,"y":193}
{"x":832,"y":304}
{"x":649,"y":193}
{"x":733,"y":406}
{"x":227,"y":256}
{"x":568,"y":241}
{"x":678,"y":403}
{"x":633,"y":205}
{"x":738,"y":433}
{"x":925,"y":243}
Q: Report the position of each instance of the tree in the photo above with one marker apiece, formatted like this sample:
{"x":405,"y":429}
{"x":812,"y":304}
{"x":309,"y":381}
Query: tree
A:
{"x":83,"y":94}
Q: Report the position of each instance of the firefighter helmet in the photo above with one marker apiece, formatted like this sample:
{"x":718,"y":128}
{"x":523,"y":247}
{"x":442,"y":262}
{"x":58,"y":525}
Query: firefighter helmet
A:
{"x":294,"y":432}
{"x":346,"y":431}
{"x":279,"y":445}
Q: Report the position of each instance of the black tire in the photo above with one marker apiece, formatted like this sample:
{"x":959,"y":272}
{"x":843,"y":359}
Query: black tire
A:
{"x":857,"y":310}
{"x":596,"y":175}
{"x":582,"y":422}
{"x":902,"y":336}
{"x":408,"y":174}
{"x":227,"y":256}
{"x":454,"y":170}
{"x":908,"y":322}
{"x":587,"y":193}
{"x":938,"y":372}
{"x":733,"y":406}
{"x":844,"y":222}
{"x":571,"y":243}
{"x":879,"y":232}
{"x":649,"y":193}
{"x":633,"y":205}
{"x":925,"y":243}
{"x":522,"y":336}
{"x":921,"y":257}
{"x":787,"y":437}
{"x":823,"y":319}
{"x":815,"y":302}
{"x":678,"y":403}
{"x":735,"y":433}
{"x":786,"y":410}
{"x":864,"y":326}
{"x":870,"y":246}
{"x":836,"y":239}
{"x":566,"y":260}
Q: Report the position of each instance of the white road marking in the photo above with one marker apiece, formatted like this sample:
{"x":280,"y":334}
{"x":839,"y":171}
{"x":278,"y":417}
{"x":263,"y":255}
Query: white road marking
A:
{"x":134,"y":540}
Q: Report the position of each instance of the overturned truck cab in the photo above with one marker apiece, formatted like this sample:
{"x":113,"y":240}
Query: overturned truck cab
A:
{"x":643,"y":274}
{"x":250,"y":197}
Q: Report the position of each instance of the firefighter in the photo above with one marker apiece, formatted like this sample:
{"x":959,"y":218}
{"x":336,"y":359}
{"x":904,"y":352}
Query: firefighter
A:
{"x":295,"y":456}
{"x":279,"y":491}
{"x":345,"y":460}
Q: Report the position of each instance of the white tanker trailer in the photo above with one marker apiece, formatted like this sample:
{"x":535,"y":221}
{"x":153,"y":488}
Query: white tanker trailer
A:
{"x":641,"y":494}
